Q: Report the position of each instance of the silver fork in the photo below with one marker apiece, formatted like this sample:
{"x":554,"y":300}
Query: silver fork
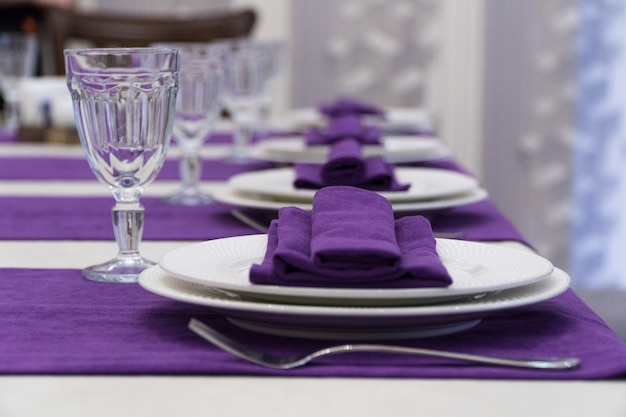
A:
{"x":288,"y":362}
{"x":249,"y":220}
{"x":258,"y":225}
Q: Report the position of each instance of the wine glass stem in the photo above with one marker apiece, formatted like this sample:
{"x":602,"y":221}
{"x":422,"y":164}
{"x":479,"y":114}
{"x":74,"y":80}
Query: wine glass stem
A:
{"x":264,"y":118}
{"x":128,"y":221}
{"x":243,"y":132}
{"x":11,"y":112}
{"x":190,"y":170}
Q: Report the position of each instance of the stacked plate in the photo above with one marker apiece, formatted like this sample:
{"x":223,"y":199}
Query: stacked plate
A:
{"x":394,"y":149}
{"x":431,"y":189}
{"x":397,"y":119}
{"x":486,"y":279}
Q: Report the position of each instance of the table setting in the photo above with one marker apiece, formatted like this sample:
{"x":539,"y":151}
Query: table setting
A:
{"x":366,"y":234}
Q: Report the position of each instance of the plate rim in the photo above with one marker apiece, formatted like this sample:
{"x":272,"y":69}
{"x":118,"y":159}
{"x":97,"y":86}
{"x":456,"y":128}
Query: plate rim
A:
{"x":380,"y":295}
{"x":555,"y":284}
{"x":230,"y":196}
{"x":263,"y":150}
{"x":239,"y":183}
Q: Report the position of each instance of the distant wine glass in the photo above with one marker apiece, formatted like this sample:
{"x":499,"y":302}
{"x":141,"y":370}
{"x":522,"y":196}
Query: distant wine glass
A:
{"x":274,"y":57}
{"x":124,"y":103}
{"x":243,"y":92}
{"x":198,"y":107}
{"x":18,"y":53}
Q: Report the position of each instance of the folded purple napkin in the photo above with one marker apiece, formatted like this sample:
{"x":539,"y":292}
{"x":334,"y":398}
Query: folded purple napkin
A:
{"x":350,"y":240}
{"x":349,"y":106}
{"x":377,"y":176}
{"x":346,"y":166}
{"x":348,"y":126}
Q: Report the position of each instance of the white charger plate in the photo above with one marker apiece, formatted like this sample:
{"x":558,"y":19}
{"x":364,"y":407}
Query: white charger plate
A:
{"x":395,"y":149}
{"x":475,"y":268}
{"x":426,"y":184}
{"x":352,"y":323}
{"x":229,"y":195}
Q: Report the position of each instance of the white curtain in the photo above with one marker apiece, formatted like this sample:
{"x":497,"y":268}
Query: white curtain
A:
{"x":599,"y":229}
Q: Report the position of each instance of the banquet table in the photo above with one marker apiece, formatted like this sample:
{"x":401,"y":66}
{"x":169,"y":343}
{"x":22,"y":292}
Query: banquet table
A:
{"x":44,"y":242}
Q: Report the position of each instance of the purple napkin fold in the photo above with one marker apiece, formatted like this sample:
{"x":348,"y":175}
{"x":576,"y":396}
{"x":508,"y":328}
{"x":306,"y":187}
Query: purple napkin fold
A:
{"x":349,"y":126}
{"x":350,"y":240}
{"x":349,"y":106}
{"x":377,"y":175}
{"x":346,"y":166}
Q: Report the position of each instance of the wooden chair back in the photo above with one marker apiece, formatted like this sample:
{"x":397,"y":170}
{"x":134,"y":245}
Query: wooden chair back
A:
{"x":108,"y":30}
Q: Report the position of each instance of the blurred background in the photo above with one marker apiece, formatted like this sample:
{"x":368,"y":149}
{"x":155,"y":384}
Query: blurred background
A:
{"x":528,"y":94}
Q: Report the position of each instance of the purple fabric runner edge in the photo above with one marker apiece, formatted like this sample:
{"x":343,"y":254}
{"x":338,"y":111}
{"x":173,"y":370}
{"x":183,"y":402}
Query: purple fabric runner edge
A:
{"x":67,"y":168}
{"x":56,"y":322}
{"x":89,"y":218}
{"x":39,"y":217}
{"x":6,"y":136}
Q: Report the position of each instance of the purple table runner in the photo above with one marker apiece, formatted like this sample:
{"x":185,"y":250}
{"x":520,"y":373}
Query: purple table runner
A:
{"x":6,"y":136}
{"x":89,"y":218}
{"x":56,"y":322}
{"x":68,"y":168}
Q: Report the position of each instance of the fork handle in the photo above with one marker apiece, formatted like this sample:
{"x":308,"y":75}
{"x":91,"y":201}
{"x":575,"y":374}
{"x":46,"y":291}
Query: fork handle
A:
{"x":549,"y":363}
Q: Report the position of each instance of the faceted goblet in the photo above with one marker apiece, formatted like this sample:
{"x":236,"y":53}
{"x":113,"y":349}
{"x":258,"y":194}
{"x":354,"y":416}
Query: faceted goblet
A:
{"x":124,"y":102}
{"x":274,"y":57}
{"x":197,"y":108}
{"x":243,"y":91}
{"x":18,"y":53}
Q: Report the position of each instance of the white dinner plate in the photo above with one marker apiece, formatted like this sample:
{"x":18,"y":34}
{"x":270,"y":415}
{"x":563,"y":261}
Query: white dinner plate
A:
{"x":352,"y":323}
{"x":475,"y":268}
{"x":254,"y":200}
{"x":395,"y":149}
{"x":426,"y":184}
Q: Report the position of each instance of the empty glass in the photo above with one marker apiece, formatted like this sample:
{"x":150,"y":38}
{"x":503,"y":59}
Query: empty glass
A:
{"x":243,"y":91}
{"x":274,"y":57}
{"x":124,"y":102}
{"x":198,"y":106}
{"x":18,"y":53}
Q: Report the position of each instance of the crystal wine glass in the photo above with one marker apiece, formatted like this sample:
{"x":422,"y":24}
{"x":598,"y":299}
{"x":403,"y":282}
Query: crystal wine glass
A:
{"x":198,"y":106}
{"x":243,"y":91}
{"x":274,"y":57}
{"x":17,"y":61}
{"x":124,"y":103}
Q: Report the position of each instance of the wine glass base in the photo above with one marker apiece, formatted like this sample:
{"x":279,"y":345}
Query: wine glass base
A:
{"x":186,"y":199}
{"x":119,"y":271}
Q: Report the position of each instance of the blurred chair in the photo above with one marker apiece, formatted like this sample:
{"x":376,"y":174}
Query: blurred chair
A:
{"x":109,"y":30}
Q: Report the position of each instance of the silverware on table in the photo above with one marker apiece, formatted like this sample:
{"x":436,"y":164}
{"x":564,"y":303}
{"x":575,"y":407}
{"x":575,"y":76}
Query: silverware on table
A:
{"x":263,"y":228}
{"x":249,"y":220}
{"x":288,"y":362}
